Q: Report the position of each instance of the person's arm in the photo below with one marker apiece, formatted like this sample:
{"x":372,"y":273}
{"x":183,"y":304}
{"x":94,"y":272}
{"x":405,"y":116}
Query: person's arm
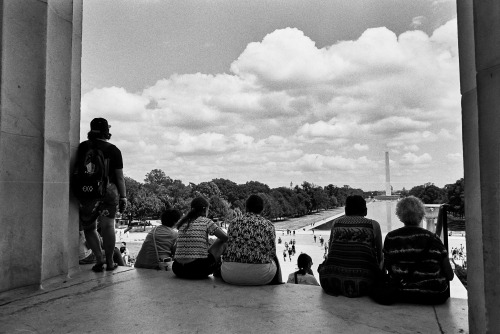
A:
{"x":447,"y":270}
{"x":120,"y":183}
{"x":122,"y":191}
{"x":378,"y":243}
{"x":219,"y":233}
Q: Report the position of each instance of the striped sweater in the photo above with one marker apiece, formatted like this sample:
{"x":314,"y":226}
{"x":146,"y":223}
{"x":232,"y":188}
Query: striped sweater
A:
{"x":415,"y":255}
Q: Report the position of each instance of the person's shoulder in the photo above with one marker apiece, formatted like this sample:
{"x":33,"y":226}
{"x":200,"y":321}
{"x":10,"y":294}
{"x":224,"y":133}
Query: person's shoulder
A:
{"x":205,"y":220}
{"x":394,"y":233}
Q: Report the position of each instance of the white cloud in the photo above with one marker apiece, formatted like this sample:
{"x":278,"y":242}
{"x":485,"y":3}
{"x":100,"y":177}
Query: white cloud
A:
{"x":361,"y":147}
{"x":417,"y":21}
{"x":287,"y":107}
{"x":454,"y":157}
{"x":413,"y":159}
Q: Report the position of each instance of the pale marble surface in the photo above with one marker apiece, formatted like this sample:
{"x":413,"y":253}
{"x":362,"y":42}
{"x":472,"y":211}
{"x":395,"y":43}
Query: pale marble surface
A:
{"x":149,"y":301}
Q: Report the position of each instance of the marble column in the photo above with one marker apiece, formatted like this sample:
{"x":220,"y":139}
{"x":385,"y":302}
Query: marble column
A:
{"x":487,"y":46}
{"x":470,"y":140}
{"x":40,"y":77}
{"x":479,"y":47}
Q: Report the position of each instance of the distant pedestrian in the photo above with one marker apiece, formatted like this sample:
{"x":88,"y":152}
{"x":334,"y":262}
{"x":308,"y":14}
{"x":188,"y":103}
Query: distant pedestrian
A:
{"x":314,"y":238}
{"x":284,"y":255}
{"x":293,"y":232}
{"x":293,"y":249}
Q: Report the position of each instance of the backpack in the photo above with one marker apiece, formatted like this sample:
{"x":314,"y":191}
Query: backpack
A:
{"x":91,"y":174}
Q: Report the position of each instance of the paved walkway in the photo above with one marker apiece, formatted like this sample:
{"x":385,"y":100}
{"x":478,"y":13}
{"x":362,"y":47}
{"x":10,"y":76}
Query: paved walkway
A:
{"x":317,"y":219}
{"x":148,"y":301}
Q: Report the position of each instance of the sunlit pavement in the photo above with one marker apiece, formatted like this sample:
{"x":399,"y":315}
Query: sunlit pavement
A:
{"x":132,"y":300}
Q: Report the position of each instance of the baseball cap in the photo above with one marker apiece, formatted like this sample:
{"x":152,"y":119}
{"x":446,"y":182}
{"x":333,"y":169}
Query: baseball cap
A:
{"x":99,"y":125}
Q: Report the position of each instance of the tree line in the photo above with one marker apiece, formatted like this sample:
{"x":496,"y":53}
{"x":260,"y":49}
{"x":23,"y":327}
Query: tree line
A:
{"x":158,"y":192}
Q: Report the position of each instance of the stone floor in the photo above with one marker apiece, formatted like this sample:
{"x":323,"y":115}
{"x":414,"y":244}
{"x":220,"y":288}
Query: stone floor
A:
{"x":148,"y":301}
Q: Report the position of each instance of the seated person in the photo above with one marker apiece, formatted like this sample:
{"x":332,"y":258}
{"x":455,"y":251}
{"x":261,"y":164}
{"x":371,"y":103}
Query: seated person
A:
{"x":304,"y":275}
{"x":125,"y":253}
{"x":416,"y":258}
{"x":250,"y":256}
{"x":194,"y":257}
{"x":354,"y":254}
{"x":165,"y":237}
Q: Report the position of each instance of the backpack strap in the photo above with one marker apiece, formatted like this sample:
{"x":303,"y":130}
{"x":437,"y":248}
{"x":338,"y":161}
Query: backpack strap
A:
{"x":154,"y":242}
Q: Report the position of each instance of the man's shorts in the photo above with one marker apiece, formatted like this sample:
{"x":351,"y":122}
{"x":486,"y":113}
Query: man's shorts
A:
{"x":90,"y":210}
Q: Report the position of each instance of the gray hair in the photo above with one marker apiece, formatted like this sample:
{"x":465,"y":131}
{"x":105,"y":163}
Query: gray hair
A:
{"x":410,"y":210}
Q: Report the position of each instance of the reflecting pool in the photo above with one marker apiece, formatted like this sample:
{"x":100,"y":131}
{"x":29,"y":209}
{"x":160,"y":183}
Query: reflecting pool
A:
{"x":381,"y":211}
{"x":384,"y":212}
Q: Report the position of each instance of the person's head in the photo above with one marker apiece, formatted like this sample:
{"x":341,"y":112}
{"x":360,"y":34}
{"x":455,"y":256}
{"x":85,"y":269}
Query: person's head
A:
{"x":99,"y":129}
{"x":255,"y":204}
{"x":355,"y":206}
{"x":124,"y":244}
{"x":304,"y":262}
{"x":199,"y":207}
{"x":170,"y":216}
{"x":410,"y":210}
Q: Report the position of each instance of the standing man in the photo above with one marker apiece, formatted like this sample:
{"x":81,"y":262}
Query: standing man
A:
{"x":97,"y":154}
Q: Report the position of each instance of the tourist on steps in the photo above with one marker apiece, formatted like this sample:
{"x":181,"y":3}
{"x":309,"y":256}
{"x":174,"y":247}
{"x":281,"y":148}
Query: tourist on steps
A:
{"x":304,"y":275}
{"x":250,"y":257}
{"x":194,"y":258}
{"x":105,"y":207}
{"x":354,"y":254}
{"x":416,"y":259}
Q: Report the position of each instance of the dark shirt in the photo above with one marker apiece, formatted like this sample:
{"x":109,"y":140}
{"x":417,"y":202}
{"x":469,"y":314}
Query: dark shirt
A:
{"x":109,"y":151}
{"x":415,"y":255}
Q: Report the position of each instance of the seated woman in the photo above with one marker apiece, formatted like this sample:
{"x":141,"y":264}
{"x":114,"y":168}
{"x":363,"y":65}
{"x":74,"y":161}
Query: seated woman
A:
{"x":165,"y":237}
{"x":416,"y":258}
{"x":250,"y":256}
{"x":354,"y":254}
{"x":193,"y":256}
{"x":304,"y":275}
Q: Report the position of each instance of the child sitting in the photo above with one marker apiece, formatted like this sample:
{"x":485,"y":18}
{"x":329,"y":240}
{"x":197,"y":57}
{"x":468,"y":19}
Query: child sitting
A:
{"x":304,"y":275}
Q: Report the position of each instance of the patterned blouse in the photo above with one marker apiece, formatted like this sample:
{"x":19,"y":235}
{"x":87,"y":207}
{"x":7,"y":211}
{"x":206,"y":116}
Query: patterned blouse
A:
{"x":351,"y":266}
{"x":251,"y":239}
{"x":193,"y":242}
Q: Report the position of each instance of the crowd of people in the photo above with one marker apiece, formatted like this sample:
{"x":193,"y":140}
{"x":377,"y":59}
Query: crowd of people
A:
{"x":411,"y":265}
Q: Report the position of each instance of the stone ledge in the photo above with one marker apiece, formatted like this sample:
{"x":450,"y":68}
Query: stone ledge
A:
{"x":149,"y":301}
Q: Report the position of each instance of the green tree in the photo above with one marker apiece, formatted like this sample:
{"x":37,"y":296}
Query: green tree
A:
{"x":229,"y":190}
{"x":455,"y":197}
{"x":206,"y":189}
{"x":219,"y":207}
{"x":157,"y":177}
{"x":429,"y":193}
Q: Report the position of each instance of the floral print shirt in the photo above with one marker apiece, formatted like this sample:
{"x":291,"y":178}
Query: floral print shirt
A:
{"x":251,"y":239}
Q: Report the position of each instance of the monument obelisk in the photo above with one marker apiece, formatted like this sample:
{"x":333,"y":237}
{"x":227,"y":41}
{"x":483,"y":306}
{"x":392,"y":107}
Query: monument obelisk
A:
{"x":388,"y":191}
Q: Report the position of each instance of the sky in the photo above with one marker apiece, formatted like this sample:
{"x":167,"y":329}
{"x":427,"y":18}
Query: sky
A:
{"x":278,"y":92}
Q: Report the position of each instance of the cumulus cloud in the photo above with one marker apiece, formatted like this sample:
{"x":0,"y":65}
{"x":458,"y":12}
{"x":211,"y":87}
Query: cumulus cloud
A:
{"x":287,"y":106}
{"x":454,"y":157}
{"x":413,"y":159}
{"x":361,"y":147}
{"x":417,"y":21}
